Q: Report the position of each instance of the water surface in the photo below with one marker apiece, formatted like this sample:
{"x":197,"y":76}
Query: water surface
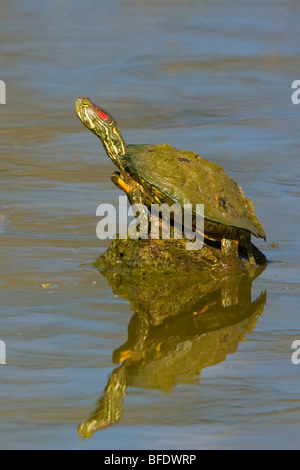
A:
{"x":215,"y":79}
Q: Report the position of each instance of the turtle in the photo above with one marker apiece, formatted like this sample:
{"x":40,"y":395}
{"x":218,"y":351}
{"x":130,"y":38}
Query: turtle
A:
{"x":151,"y":174}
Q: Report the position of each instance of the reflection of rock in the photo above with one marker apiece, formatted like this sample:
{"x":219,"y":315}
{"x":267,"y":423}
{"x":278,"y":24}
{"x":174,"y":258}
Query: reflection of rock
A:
{"x":181,"y":324}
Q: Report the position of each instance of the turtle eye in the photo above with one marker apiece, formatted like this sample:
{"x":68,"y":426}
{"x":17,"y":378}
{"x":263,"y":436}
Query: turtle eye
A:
{"x":85,"y":103}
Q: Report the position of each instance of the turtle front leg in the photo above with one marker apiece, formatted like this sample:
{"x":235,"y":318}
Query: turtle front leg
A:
{"x":119,"y":182}
{"x":135,"y":195}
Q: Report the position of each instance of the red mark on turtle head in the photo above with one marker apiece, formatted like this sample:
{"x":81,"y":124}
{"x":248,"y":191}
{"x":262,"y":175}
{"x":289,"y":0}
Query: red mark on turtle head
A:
{"x":103,"y":115}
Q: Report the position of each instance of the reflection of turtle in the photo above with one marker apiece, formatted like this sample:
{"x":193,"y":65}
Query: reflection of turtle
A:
{"x":180,"y":326}
{"x":152,"y":174}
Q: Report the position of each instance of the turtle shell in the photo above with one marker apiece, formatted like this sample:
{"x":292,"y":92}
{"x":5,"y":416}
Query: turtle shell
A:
{"x":186,"y":178}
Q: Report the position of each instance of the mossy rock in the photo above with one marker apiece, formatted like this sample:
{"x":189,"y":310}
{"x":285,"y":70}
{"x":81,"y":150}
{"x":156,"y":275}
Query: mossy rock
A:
{"x":146,"y":257}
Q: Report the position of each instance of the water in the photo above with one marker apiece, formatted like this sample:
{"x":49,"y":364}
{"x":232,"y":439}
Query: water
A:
{"x":212,"y":78}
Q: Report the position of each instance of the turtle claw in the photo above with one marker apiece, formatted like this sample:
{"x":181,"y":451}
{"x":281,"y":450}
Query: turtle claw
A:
{"x":119,"y":182}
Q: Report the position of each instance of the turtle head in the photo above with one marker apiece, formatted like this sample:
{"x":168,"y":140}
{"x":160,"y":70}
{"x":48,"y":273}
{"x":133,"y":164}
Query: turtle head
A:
{"x":101,"y":123}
